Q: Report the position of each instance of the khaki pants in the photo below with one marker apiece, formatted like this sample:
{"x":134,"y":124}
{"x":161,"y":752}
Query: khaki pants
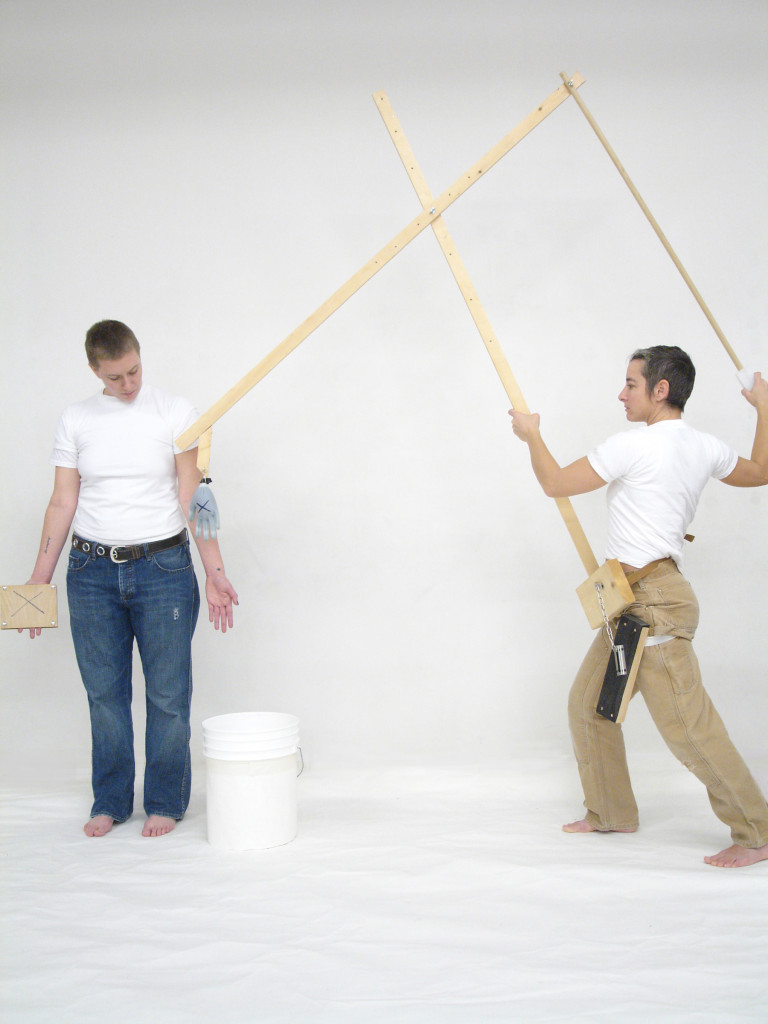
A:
{"x":670,"y":682}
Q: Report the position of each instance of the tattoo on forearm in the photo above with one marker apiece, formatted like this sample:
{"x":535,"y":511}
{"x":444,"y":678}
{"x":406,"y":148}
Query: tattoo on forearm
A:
{"x":47,"y":545}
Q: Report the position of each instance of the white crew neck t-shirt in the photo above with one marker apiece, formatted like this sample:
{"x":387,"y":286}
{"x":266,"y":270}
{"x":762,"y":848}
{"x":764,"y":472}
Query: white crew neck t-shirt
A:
{"x":655,"y":476}
{"x":125,"y":455}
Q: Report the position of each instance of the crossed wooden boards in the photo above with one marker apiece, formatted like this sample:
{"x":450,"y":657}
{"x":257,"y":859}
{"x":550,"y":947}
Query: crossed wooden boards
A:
{"x":608,"y":578}
{"x":606,"y":590}
{"x":430,"y":216}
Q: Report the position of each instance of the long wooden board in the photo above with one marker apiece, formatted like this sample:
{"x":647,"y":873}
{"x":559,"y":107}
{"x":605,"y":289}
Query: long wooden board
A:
{"x":572,"y":85}
{"x":476,"y":309}
{"x":390,"y":250}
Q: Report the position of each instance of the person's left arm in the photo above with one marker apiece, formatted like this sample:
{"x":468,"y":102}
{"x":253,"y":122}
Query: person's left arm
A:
{"x":556,"y":481}
{"x":219,"y":592}
{"x":753,"y":472}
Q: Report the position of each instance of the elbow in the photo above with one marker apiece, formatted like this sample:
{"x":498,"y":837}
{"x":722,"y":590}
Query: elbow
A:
{"x":552,"y":485}
{"x":758,"y":474}
{"x":553,"y":491}
{"x":748,"y":474}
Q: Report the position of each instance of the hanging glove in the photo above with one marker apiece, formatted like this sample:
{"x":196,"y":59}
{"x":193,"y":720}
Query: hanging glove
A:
{"x":203,"y":511}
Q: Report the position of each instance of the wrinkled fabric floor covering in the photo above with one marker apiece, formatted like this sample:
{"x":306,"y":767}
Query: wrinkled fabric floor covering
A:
{"x":411,"y":894}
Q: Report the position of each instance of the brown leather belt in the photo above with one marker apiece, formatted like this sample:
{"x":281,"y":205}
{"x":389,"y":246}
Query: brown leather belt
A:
{"x":119,"y":553}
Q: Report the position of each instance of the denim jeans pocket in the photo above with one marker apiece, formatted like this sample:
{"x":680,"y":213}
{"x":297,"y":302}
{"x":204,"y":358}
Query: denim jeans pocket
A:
{"x":77,"y":560}
{"x":176,"y":559}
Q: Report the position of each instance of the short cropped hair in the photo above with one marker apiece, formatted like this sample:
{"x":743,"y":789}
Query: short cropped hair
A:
{"x":109,"y":339}
{"x":669,"y":363}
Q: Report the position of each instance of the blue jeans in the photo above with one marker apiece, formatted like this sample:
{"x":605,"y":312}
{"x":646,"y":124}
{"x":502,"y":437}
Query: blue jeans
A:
{"x":156,"y":600}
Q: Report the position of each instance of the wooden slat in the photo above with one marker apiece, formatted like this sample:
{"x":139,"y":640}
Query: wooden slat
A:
{"x":203,"y":462}
{"x":476,"y":309}
{"x":408,"y":233}
{"x":572,"y":85}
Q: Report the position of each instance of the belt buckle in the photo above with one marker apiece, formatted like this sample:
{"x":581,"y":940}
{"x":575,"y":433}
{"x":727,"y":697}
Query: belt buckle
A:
{"x":117,"y":561}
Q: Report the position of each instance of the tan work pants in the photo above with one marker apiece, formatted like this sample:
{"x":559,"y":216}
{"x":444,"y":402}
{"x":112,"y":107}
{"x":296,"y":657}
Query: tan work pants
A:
{"x":670,"y":682}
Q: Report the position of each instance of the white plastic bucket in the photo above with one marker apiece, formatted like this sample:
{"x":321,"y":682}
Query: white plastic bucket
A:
{"x":253,"y":751}
{"x":243,"y":724}
{"x":251,"y":726}
{"x":252,"y":762}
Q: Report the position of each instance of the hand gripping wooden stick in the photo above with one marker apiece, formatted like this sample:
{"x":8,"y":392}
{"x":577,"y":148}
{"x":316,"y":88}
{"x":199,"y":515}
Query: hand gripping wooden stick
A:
{"x":571,"y":86}
{"x":417,"y":225}
{"x":475,"y":307}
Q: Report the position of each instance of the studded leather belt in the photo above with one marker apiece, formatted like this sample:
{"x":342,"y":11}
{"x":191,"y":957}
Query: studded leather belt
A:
{"x":120,"y":553}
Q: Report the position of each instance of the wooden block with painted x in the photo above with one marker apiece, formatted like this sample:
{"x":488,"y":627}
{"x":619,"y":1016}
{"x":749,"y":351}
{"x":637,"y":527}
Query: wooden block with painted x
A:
{"x":28,"y":606}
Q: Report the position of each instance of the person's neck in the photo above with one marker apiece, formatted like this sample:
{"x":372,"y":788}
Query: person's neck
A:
{"x":664,"y":412}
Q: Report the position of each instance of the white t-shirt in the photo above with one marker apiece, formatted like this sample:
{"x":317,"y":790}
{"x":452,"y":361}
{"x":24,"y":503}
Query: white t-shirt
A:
{"x":125,"y":455}
{"x":656,"y":475}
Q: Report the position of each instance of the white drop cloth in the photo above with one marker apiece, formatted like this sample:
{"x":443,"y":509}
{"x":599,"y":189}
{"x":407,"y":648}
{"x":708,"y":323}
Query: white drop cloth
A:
{"x":430,"y":895}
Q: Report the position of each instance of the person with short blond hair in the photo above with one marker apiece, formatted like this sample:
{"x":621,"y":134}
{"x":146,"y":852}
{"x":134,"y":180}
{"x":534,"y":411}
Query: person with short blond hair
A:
{"x":125,"y":489}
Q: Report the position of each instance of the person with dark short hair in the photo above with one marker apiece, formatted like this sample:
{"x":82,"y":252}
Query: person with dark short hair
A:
{"x":125,"y":489}
{"x":655,"y":475}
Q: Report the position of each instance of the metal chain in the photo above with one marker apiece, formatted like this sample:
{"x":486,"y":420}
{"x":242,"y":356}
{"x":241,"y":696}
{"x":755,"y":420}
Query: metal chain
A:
{"x":618,"y":649}
{"x":599,"y":588}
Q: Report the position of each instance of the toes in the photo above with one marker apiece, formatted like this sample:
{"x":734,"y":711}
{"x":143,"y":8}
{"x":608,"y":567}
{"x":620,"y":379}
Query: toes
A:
{"x":158,"y":826}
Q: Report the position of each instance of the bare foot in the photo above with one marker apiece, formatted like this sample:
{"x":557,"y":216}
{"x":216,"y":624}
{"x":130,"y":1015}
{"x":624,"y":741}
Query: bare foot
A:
{"x":738,"y":856}
{"x":157,"y":825}
{"x":98,"y":825}
{"x":584,"y":826}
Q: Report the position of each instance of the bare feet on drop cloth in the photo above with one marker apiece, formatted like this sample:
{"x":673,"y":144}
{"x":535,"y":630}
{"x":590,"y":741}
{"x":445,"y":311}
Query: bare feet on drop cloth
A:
{"x":157,"y":825}
{"x":584,"y":826}
{"x":738,"y":856}
{"x":98,"y":826}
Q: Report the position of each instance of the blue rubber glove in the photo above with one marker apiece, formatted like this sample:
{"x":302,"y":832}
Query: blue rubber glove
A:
{"x":204,"y":512}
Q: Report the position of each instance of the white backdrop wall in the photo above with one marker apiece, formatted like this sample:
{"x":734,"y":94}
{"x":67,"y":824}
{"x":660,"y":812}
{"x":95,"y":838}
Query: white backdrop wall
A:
{"x":210,"y":172}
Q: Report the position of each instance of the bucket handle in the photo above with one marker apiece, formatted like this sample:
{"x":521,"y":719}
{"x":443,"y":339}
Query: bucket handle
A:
{"x":301,"y":758}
